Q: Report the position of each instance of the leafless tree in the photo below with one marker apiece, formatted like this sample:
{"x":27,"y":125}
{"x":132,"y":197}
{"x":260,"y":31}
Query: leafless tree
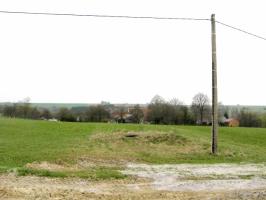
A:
{"x":137,"y":114}
{"x":200,"y":106}
{"x":157,"y":100}
{"x":176,"y":102}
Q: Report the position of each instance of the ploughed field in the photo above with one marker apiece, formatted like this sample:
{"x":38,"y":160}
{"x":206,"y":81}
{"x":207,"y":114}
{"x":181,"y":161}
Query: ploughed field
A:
{"x":57,"y":160}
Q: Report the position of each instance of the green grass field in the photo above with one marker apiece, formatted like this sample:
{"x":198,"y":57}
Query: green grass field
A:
{"x":27,"y":141}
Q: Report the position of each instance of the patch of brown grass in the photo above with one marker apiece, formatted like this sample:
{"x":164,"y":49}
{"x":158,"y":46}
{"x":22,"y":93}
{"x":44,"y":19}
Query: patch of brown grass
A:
{"x":44,"y":165}
{"x":139,"y":146}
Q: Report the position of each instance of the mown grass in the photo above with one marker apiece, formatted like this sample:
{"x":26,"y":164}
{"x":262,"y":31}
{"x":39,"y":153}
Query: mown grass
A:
{"x":27,"y":141}
{"x":96,"y":173}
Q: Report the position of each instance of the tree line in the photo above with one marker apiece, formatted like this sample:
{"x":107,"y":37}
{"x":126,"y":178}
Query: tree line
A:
{"x":158,"y":111}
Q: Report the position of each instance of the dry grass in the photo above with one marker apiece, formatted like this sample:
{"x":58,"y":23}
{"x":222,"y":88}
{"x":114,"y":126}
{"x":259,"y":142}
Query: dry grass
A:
{"x":144,"y":146}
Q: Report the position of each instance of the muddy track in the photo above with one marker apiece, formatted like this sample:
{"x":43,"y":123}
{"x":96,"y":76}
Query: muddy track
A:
{"x":223,"y":181}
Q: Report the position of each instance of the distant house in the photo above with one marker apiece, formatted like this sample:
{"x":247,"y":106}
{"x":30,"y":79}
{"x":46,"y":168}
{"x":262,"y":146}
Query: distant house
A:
{"x":231,"y":122}
{"x":122,"y":117}
{"x":121,"y":113}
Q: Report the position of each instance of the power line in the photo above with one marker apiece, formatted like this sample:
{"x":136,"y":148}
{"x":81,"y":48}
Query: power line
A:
{"x":129,"y":17}
{"x":103,"y":16}
{"x":238,"y":29}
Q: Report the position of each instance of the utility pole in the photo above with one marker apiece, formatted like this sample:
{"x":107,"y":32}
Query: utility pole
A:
{"x":214,"y":89}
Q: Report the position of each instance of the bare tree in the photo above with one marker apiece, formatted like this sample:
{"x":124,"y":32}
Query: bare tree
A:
{"x":200,"y":106}
{"x":121,"y":111}
{"x":176,"y":102}
{"x":97,"y":114}
{"x":157,"y":100}
{"x":24,"y":108}
{"x":156,"y":109}
{"x":137,"y":114}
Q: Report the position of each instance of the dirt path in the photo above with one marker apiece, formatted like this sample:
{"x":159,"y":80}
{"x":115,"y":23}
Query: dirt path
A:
{"x":185,"y":177}
{"x":222,"y":181}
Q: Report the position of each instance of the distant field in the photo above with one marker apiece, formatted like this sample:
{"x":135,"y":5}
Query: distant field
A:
{"x":26,"y":141}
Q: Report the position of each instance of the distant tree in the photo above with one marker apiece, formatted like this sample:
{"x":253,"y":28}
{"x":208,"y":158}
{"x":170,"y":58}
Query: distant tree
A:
{"x":21,"y":110}
{"x":65,"y":114}
{"x":200,"y":106}
{"x":163,"y":112}
{"x":157,"y":99}
{"x":34,"y":113}
{"x":249,"y":119}
{"x":121,"y":111}
{"x":226,"y":115}
{"x":79,"y":112}
{"x":187,"y":115}
{"x":175,"y":102}
{"x":156,"y":110}
{"x":137,"y":114}
{"x":169,"y":114}
{"x":46,"y":114}
{"x":234,"y":112}
{"x":178,"y":113}
{"x":263,"y":120}
{"x":97,"y":114}
{"x":1,"y":109}
{"x":223,"y":112}
{"x":24,"y":108}
{"x":9,"y":111}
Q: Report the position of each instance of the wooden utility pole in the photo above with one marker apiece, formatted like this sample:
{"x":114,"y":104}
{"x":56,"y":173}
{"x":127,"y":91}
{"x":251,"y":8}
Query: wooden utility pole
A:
{"x":214,"y":89}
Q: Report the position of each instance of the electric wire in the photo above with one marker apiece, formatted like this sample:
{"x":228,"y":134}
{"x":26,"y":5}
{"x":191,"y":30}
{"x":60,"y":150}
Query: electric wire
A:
{"x":103,"y":16}
{"x":130,"y":17}
{"x":241,"y":30}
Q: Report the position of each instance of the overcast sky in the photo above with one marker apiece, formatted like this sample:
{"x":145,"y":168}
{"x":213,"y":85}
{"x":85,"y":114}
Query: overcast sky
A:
{"x":87,"y":60}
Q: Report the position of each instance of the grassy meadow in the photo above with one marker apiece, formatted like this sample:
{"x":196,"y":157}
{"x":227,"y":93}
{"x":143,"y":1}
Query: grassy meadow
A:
{"x":27,"y":141}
